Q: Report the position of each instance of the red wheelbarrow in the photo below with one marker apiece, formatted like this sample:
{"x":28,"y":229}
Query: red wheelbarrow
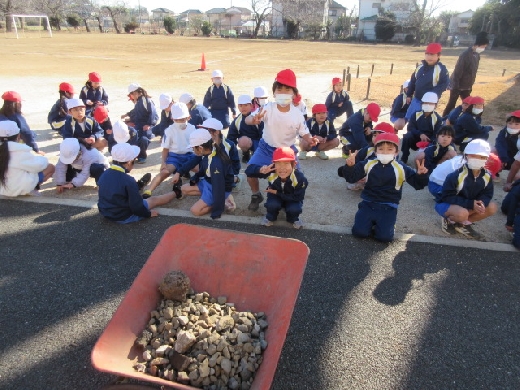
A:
{"x":256,"y":272}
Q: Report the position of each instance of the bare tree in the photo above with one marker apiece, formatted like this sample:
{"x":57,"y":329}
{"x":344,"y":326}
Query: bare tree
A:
{"x":55,"y":9}
{"x":196,"y":24}
{"x":115,"y":11}
{"x":261,"y":9}
{"x":8,"y":7}
{"x":421,"y":19}
{"x":304,"y":13}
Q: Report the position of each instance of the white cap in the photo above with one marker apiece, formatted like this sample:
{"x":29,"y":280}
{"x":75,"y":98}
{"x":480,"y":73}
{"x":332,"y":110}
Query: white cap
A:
{"x":132,"y":88}
{"x":406,"y":84}
{"x":179,"y":111}
{"x":69,"y":150}
{"x":164,"y":101}
{"x":217,"y":73}
{"x":244,"y":99}
{"x":8,"y":128}
{"x":124,"y":152}
{"x":260,"y":92}
{"x":186,"y":98}
{"x":430,"y":97}
{"x":212,"y":123}
{"x":478,"y":146}
{"x":120,"y":132}
{"x":72,"y":103}
{"x":199,"y":137}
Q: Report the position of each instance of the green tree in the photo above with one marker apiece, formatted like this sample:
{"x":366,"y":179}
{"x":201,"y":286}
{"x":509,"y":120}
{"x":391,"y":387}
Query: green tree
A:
{"x":132,"y":25}
{"x":500,"y":18}
{"x":55,"y":21}
{"x":444,"y":19}
{"x":170,"y":24}
{"x":206,"y":28}
{"x":73,"y":21}
{"x":385,"y":26}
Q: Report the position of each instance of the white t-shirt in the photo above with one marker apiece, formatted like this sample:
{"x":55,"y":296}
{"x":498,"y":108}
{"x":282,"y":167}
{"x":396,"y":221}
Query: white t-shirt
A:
{"x":281,"y":128}
{"x":442,"y":170}
{"x":177,"y":141}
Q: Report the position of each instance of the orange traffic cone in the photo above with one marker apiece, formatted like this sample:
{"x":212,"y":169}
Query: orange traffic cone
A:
{"x":203,"y":63}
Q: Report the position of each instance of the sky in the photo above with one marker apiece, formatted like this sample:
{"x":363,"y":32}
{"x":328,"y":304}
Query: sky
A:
{"x":204,"y":5}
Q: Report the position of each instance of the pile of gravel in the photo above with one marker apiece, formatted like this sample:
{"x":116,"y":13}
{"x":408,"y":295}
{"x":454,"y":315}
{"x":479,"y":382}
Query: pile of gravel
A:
{"x":202,"y":341}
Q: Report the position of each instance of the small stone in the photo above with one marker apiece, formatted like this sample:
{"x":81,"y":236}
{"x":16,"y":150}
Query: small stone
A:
{"x":226,"y":353}
{"x":183,"y":320}
{"x":185,"y":340}
{"x":263,"y":344}
{"x":183,"y":377}
{"x":233,"y":384}
{"x":194,"y":375}
{"x":243,"y":328}
{"x":143,"y":339}
{"x":212,"y":348}
{"x":199,"y":297}
{"x":178,"y":361}
{"x":263,"y":324}
{"x":225,"y":323}
{"x":175,"y":285}
{"x":245,"y":374}
{"x":243,"y":338}
{"x":159,"y":361}
{"x":168,"y":313}
{"x":140,"y":367}
{"x":147,"y":355}
{"x":225,"y":365}
{"x":204,"y":369}
{"x":156,"y":343}
{"x":248,"y":347}
{"x":162,"y":350}
{"x":221,"y":300}
{"x":153,"y":370}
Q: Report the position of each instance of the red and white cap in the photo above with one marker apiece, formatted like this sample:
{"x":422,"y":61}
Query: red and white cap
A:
{"x":433,"y":48}
{"x":383,"y":127}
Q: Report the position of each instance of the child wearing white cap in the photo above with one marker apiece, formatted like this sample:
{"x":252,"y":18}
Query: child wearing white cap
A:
{"x":399,"y":108}
{"x":245,"y":136}
{"x":85,"y":129}
{"x":165,"y":104}
{"x":467,"y":192}
{"x":119,"y":197}
{"x":20,"y":170}
{"x":175,"y":150}
{"x":142,"y":117}
{"x":214,"y":180}
{"x":260,"y":98}
{"x":198,"y":113}
{"x":219,"y":99}
{"x":76,"y":164}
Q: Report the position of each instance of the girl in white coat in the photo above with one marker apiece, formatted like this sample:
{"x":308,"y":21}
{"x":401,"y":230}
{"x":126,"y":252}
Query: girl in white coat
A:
{"x":21,"y":171}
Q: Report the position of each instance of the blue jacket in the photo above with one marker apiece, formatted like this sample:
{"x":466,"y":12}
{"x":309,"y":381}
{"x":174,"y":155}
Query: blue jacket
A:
{"x":232,"y":152}
{"x":353,"y":131}
{"x":511,"y":203}
{"x":384,"y":183}
{"x":468,"y":126}
{"x":26,"y":134}
{"x":119,"y":196}
{"x":293,"y":190}
{"x":94,"y":95}
{"x":219,"y":98}
{"x":143,"y":113}
{"x":454,"y":114}
{"x":428,"y":78}
{"x":239,"y":128}
{"x":399,"y":106}
{"x":72,"y":129}
{"x":220,"y":175}
{"x":507,"y":146}
{"x":58,"y":114}
{"x":326,"y":130}
{"x":166,"y":121}
{"x":421,"y":124}
{"x":462,"y":188}
{"x":334,"y":98}
{"x":199,"y":114}
{"x":434,"y":153}
{"x":368,"y":152}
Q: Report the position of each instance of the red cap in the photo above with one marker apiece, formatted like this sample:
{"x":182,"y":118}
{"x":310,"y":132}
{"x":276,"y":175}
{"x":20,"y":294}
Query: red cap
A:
{"x":477,"y":100}
{"x":467,"y":100}
{"x":317,"y":108}
{"x":516,"y":114}
{"x":100,"y":114}
{"x":66,"y":87}
{"x":493,"y":164}
{"x":12,"y":96}
{"x":422,"y":144}
{"x":94,"y":77}
{"x":283,"y":154}
{"x":286,"y":77}
{"x":297,"y":99}
{"x":434,"y":48}
{"x":336,"y":80}
{"x":373,"y":110}
{"x":387,"y":137}
{"x":384,"y":127}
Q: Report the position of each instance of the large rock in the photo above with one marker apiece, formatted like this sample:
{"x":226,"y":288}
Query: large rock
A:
{"x":185,"y":340}
{"x":175,"y":286}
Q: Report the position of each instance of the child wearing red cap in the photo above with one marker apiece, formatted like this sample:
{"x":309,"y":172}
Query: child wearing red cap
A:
{"x":468,"y":125}
{"x":59,"y":111}
{"x":12,"y":111}
{"x":430,"y":76}
{"x":369,"y":151}
{"x":286,"y":188}
{"x":338,"y":101}
{"x":100,"y":114}
{"x":385,"y":177}
{"x":93,"y":94}
{"x":282,"y":123}
{"x":324,"y":131}
{"x":219,"y":99}
{"x":507,"y":144}
{"x":454,"y":114}
{"x":356,"y":132}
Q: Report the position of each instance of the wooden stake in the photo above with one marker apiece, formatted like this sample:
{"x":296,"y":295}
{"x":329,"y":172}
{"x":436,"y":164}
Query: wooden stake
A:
{"x":368,"y":88}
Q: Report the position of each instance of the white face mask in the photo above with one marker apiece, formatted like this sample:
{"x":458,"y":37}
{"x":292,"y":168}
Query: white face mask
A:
{"x":385,"y":158}
{"x":427,"y":107}
{"x":262,"y":102}
{"x":283,"y":99}
{"x":181,"y":126}
{"x":477,"y":111}
{"x":480,"y":49}
{"x":475,"y":163}
{"x":512,"y":131}
{"x":217,"y":81}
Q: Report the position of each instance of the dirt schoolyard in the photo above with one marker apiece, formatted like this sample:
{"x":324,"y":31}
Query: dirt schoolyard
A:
{"x":35,"y":66}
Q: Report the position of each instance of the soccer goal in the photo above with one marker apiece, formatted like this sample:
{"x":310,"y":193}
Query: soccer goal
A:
{"x":30,"y":23}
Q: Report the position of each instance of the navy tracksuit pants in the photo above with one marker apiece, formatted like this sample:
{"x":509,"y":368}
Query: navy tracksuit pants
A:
{"x":275,"y":204}
{"x":375,"y":218}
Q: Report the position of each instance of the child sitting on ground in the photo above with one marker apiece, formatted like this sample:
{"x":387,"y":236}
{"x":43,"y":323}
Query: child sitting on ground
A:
{"x":100,"y":114}
{"x":165,"y":104}
{"x":338,"y":102}
{"x":219,"y":99}
{"x":85,"y":129}
{"x":59,"y":111}
{"x":300,"y":105}
{"x":511,"y":207}
{"x":467,"y":193}
{"x":214,"y":180}
{"x":385,"y":176}
{"x":93,"y":94}
{"x":468,"y":125}
{"x":356,"y":132}
{"x":21,"y":172}
{"x":439,"y":151}
{"x":423,"y":125}
{"x":399,"y":108}
{"x":286,"y":189}
{"x":507,"y":144}
{"x":198,"y":113}
{"x":119,"y":197}
{"x":260,"y":98}
{"x":323,"y":130}
{"x":245,"y":136}
{"x":454,"y":114}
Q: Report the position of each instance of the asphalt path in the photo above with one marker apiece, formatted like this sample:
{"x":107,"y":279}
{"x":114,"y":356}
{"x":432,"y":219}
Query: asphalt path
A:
{"x":405,"y":315}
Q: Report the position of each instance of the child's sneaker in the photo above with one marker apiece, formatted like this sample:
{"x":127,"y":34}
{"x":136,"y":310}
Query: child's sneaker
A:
{"x":266,"y":222}
{"x":147,"y":194}
{"x":177,"y":189}
{"x":141,"y":160}
{"x":298,"y":224}
{"x":355,"y":186}
{"x":322,"y":155}
{"x":256,"y":199}
{"x":302,"y":155}
{"x":469,"y":232}
{"x":448,"y":227}
{"x":143,"y":181}
{"x":230,"y":204}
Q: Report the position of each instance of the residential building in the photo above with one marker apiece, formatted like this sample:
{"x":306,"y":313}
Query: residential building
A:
{"x":459,"y":24}
{"x":281,"y":14}
{"x":224,"y":20}
{"x":160,"y":13}
{"x":369,"y":11}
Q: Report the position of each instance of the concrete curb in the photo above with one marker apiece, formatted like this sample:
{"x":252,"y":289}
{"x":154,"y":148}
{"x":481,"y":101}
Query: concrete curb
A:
{"x":492,"y":246}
